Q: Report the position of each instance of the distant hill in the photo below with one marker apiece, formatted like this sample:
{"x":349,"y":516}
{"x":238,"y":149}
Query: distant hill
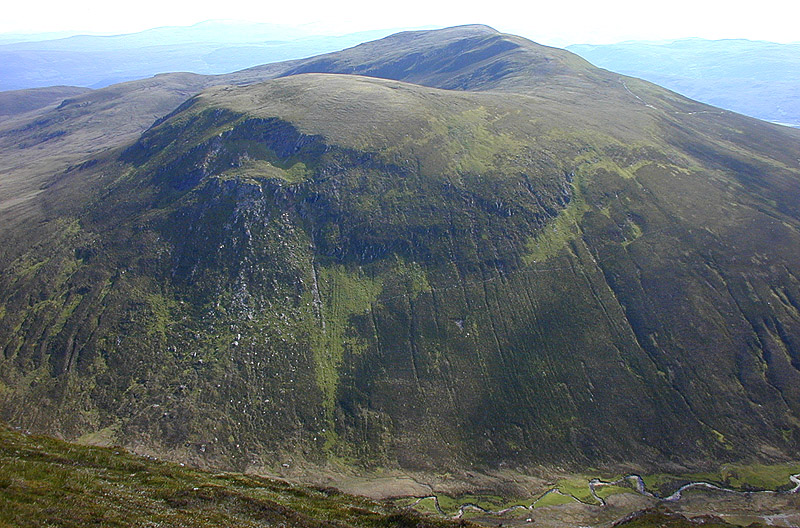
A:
{"x":17,"y":102}
{"x":755,"y":78}
{"x":211,"y":47}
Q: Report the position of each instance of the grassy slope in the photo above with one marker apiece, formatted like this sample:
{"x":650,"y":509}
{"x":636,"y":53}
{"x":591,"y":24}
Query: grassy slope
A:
{"x":589,"y":271}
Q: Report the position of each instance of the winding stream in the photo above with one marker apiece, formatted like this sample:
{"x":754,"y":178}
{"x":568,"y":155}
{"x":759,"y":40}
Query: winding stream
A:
{"x":635,"y":480}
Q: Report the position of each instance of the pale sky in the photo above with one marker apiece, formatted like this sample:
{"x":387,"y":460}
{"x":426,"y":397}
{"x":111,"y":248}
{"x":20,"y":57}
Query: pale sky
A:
{"x":553,"y":22}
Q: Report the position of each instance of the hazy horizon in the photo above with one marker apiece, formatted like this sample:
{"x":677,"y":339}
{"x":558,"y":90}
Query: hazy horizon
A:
{"x":558,"y":24}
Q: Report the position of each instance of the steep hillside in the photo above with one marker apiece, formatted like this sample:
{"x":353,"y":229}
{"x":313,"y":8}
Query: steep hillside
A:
{"x":551,"y":265}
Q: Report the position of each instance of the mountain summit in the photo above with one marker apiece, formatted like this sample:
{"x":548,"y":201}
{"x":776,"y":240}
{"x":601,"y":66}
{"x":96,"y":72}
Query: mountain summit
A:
{"x":450,"y":248}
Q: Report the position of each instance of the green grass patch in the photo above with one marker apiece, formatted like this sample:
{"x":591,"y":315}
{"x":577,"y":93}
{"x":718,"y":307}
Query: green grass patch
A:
{"x":740,"y":477}
{"x":604,"y":492}
{"x":414,"y":275}
{"x":554,"y":236}
{"x":553,"y":498}
{"x":451,"y":505}
{"x":160,"y":320}
{"x":747,"y":477}
{"x":577,"y":487}
{"x":341,"y":294}
{"x":255,"y":170}
{"x":427,"y":506}
{"x":70,"y":303}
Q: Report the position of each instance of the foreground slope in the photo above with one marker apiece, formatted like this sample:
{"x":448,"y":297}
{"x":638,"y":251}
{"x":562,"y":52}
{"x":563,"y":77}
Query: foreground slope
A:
{"x":46,"y":482}
{"x":558,"y":267}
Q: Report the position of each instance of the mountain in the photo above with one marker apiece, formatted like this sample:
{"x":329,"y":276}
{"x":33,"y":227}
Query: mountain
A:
{"x":211,"y":47}
{"x":443,"y":249}
{"x":760,"y":79}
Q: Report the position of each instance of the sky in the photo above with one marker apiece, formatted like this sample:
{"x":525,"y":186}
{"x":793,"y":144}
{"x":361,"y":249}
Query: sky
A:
{"x":555,"y":22}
